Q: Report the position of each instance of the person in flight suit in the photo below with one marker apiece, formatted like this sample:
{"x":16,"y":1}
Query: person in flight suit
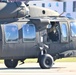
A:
{"x":53,"y":33}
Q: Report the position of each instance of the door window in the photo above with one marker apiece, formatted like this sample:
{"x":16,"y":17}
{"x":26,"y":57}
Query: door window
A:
{"x":73,"y":29}
{"x":29,"y":32}
{"x":64,"y":36}
{"x":11,"y":33}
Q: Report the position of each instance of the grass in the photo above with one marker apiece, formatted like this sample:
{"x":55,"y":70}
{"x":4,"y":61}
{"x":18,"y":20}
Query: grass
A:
{"x":72,"y":59}
{"x":31,"y":60}
{"x":1,"y":61}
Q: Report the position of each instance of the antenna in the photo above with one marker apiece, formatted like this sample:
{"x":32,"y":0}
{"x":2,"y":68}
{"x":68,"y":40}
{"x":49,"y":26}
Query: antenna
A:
{"x":61,"y":13}
{"x":26,"y":1}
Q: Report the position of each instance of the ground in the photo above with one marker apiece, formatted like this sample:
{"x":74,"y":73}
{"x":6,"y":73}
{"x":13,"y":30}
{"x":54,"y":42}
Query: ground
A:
{"x":59,"y":68}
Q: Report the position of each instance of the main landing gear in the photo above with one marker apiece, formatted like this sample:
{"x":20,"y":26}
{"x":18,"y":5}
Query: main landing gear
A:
{"x":45,"y":60}
{"x":11,"y":63}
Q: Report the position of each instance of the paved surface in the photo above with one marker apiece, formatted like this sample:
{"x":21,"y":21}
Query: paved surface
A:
{"x":63,"y":68}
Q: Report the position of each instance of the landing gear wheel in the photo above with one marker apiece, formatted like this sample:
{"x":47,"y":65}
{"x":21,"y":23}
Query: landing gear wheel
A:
{"x":11,"y":63}
{"x":46,"y":61}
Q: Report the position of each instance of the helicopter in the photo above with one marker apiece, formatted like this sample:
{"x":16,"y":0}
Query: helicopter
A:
{"x":34,"y":32}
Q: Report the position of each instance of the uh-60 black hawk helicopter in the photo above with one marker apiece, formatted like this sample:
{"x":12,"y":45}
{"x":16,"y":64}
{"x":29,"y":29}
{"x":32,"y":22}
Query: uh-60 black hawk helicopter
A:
{"x":34,"y":32}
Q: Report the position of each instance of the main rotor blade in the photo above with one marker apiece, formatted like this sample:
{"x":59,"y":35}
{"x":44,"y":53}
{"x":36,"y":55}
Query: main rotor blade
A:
{"x":35,"y":0}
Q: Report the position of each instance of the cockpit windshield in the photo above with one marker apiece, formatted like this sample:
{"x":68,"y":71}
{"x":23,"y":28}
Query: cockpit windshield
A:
{"x":73,"y":29}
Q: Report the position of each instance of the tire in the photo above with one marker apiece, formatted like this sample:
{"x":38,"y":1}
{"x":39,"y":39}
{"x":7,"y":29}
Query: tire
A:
{"x":10,"y":63}
{"x":46,"y":61}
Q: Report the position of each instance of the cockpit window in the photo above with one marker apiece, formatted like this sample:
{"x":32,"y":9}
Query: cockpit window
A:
{"x":29,"y":32}
{"x":11,"y":33}
{"x":73,"y":29}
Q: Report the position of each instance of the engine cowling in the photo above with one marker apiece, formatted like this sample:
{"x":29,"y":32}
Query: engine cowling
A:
{"x":13,"y":10}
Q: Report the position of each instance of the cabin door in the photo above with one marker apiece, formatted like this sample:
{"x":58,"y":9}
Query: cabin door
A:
{"x":29,"y":38}
{"x":12,"y":46}
{"x":73,"y":35}
{"x":57,"y":36}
